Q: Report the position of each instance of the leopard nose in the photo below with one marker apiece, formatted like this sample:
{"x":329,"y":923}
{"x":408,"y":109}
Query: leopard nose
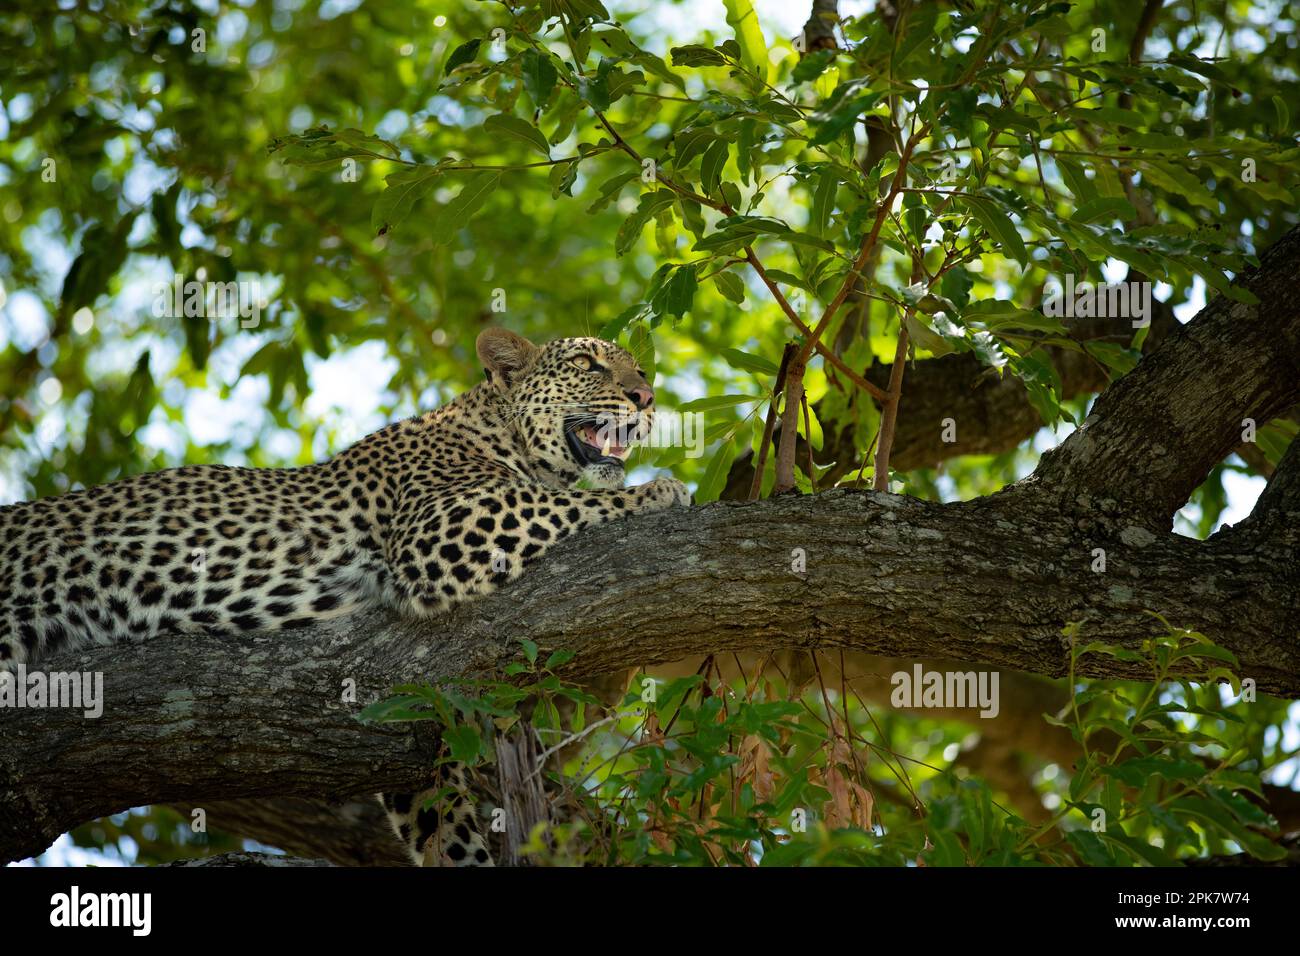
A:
{"x":641,"y":396}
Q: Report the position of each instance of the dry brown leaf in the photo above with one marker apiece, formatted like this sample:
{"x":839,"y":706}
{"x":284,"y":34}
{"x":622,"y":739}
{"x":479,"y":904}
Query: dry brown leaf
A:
{"x":660,"y":840}
{"x":838,"y":810}
{"x":650,"y":728}
{"x":865,"y":804}
{"x":754,"y":768}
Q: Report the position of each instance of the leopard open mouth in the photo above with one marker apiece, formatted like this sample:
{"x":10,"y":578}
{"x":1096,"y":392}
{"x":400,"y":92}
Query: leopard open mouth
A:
{"x":592,"y":441}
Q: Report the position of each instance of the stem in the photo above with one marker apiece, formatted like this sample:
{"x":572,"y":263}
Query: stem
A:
{"x":807,"y":434}
{"x":789,"y":425}
{"x":756,"y":484}
{"x":889,"y":414}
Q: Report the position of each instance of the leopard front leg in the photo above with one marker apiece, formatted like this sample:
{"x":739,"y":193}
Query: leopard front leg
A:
{"x":439,"y":830}
{"x":451,"y":547}
{"x":448,"y":546}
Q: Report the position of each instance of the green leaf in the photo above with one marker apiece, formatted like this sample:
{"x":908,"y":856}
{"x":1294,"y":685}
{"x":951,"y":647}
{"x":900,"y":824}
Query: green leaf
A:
{"x":689,"y":143}
{"x":1218,"y":817}
{"x":615,"y":326}
{"x":918,"y":29}
{"x":1105,"y":208}
{"x":563,"y":176}
{"x":559,"y":657}
{"x":730,"y":285}
{"x":1112,"y":116}
{"x":749,"y":362}
{"x":1140,"y":850}
{"x":813,"y":65}
{"x":102,"y":254}
{"x":610,"y":189}
{"x":715,"y":473}
{"x":841,"y":118}
{"x":824,"y":200}
{"x":465,"y":53}
{"x":712,"y":402}
{"x":914,"y":216}
{"x":595,"y":90}
{"x":1283,"y":116}
{"x":462,"y":207}
{"x":696,"y":55}
{"x":676,"y":296}
{"x":539,"y":76}
{"x":1091,"y":848}
{"x":956,"y":285}
{"x":1115,"y":357}
{"x":1177,"y":181}
{"x":1074,"y":176}
{"x":464,"y":742}
{"x":711,"y":166}
{"x":998,"y":314}
{"x":321,"y":147}
{"x":513,"y":126}
{"x":647,"y":208}
{"x":405,"y":188}
{"x":753,"y":48}
{"x":402,"y":707}
{"x":1137,"y":770}
{"x":1000,"y":227}
{"x":1042,"y":384}
{"x":621,"y":45}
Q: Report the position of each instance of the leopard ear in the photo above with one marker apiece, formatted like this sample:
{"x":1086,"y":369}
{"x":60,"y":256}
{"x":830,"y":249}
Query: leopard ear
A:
{"x":505,"y":355}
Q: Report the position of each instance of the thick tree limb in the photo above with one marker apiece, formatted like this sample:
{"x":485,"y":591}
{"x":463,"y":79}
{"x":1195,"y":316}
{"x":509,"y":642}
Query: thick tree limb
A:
{"x":989,"y":580}
{"x":352,"y":833}
{"x":1241,"y":360}
{"x":244,"y":858}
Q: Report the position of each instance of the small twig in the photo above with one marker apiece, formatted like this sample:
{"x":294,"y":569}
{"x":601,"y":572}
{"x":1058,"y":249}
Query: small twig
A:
{"x":889,"y":414}
{"x":789,"y":424}
{"x":571,"y":739}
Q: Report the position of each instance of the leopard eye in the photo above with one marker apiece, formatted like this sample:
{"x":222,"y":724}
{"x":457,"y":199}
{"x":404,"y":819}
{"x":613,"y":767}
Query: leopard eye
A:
{"x":584,"y":362}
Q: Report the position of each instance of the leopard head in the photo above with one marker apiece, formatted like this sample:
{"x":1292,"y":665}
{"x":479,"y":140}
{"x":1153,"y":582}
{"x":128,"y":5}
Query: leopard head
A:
{"x":576,"y":405}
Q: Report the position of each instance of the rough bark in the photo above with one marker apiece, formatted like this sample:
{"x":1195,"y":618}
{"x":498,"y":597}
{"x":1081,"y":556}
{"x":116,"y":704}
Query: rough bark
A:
{"x":351,"y":833}
{"x":208,"y":718}
{"x":819,"y":31}
{"x":1242,"y":361}
{"x":990,"y":580}
{"x":244,"y":858}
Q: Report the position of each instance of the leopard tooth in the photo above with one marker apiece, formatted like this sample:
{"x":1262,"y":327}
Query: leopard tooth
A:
{"x":605,"y":450}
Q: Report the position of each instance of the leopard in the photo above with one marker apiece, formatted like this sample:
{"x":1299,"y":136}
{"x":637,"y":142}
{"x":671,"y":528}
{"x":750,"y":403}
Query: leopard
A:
{"x":420,"y":516}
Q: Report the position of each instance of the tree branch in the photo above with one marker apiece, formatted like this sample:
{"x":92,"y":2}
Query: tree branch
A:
{"x":225,"y":717}
{"x":1241,"y":360}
